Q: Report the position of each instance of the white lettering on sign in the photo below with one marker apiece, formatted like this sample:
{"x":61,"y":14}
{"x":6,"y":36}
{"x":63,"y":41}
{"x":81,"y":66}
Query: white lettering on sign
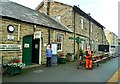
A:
{"x":10,"y":47}
{"x":26,"y":45}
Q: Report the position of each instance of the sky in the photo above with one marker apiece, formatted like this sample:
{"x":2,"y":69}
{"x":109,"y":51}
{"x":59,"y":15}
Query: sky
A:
{"x":103,"y":11}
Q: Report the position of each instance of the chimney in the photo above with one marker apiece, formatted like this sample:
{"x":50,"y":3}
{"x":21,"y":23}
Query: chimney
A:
{"x":47,"y":6}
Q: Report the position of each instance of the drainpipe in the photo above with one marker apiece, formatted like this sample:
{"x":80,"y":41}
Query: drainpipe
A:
{"x":102,"y":35}
{"x":48,"y":9}
{"x":74,"y":28}
{"x":89,"y":28}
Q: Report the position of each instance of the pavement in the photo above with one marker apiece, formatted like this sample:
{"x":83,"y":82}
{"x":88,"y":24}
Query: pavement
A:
{"x":115,"y":77}
{"x":67,"y":73}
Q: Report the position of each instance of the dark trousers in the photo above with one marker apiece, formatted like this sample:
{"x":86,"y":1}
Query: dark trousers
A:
{"x":48,"y":64}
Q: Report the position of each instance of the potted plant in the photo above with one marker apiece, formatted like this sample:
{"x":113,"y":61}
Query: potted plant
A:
{"x":14,"y":66}
{"x":62,"y":58}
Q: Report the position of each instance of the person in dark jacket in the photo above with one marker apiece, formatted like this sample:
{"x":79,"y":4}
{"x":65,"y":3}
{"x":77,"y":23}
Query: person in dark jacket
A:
{"x":48,"y":55}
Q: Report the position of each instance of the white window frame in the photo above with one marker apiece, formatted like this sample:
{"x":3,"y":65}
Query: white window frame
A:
{"x":82,"y":45}
{"x":60,"y":42}
{"x":82,"y":23}
{"x":91,"y":26}
{"x":92,"y":45}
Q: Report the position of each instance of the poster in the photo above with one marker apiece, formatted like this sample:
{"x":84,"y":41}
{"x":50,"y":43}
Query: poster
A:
{"x":54,"y":48}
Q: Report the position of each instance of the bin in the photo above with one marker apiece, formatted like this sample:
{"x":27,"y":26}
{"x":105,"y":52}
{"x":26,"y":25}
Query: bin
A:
{"x":54,"y":59}
{"x":70,"y":57}
{"x":62,"y":60}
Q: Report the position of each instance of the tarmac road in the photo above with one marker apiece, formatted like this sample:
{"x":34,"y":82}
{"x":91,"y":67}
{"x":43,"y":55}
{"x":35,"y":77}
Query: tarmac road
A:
{"x":67,"y":73}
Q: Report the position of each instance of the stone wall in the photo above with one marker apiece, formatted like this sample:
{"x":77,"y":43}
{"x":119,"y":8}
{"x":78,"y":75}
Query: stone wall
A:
{"x":29,"y":29}
{"x":66,"y":13}
{"x":58,"y":9}
{"x":26,"y":29}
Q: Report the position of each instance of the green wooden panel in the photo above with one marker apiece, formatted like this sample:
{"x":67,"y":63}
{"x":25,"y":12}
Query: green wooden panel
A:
{"x":27,"y":50}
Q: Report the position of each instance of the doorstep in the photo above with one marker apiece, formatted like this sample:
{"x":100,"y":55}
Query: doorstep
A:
{"x":31,"y":66}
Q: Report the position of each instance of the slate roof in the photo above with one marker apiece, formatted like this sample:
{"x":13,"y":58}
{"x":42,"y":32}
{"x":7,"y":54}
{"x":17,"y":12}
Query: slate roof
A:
{"x":22,"y":13}
{"x":76,"y":9}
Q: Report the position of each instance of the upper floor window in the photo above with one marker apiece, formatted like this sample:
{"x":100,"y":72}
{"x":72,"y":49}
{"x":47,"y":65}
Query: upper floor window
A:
{"x":91,"y":26}
{"x":82,"y":23}
{"x":57,"y":17}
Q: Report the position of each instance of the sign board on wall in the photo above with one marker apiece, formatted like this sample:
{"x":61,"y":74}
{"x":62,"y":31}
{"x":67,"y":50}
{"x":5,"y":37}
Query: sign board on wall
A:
{"x":10,"y":47}
{"x":10,"y":37}
{"x":54,"y":48}
{"x":37,"y":34}
{"x":26,"y":45}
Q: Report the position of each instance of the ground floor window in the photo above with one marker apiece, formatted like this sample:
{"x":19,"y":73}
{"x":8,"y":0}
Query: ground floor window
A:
{"x":92,"y":45}
{"x":59,"y":42}
{"x":86,"y":43}
{"x":82,"y":45}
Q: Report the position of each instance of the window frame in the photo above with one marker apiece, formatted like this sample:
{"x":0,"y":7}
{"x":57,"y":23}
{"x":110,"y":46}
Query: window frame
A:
{"x":82,"y":23}
{"x":59,"y":42}
{"x":91,"y":27}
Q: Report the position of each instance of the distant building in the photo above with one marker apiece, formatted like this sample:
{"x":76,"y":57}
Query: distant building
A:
{"x":111,"y":37}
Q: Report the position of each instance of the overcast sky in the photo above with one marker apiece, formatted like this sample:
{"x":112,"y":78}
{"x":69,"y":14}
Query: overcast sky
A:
{"x":103,"y":11}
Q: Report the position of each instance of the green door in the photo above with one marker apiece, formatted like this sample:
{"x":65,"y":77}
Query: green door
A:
{"x":27,"y":50}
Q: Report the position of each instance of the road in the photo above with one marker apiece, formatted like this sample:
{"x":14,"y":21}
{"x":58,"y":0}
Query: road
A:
{"x":66,"y":73}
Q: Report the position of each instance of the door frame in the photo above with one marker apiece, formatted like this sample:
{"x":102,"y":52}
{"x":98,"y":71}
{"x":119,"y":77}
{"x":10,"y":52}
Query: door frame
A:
{"x":37,"y":34}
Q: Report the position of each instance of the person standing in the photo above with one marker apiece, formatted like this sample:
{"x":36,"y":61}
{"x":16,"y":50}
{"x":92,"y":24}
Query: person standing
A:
{"x":89,"y":58}
{"x":48,"y":55}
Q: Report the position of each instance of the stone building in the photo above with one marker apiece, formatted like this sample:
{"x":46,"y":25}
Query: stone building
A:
{"x":111,"y":37}
{"x":83,"y":25}
{"x":24,"y":33}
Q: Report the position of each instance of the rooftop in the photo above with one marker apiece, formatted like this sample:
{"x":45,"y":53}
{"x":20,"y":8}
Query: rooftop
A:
{"x":22,"y":13}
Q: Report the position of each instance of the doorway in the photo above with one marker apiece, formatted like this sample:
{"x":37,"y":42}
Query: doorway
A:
{"x":36,"y":48}
{"x":31,"y":51}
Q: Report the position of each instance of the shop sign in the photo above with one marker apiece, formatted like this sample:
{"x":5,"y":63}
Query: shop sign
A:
{"x":10,"y":47}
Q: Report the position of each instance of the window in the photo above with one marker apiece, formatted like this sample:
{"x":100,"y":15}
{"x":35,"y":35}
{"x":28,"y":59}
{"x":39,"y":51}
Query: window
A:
{"x":87,"y":43}
{"x":91,"y":26}
{"x":59,"y":42}
{"x":82,"y":23}
{"x":82,"y":45}
{"x":92,"y":45}
{"x":58,"y":18}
